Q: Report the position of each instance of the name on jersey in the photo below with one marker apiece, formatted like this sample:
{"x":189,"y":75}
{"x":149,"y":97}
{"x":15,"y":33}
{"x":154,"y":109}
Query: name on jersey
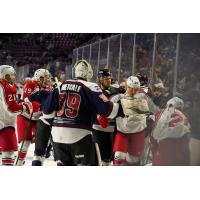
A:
{"x":71,"y":87}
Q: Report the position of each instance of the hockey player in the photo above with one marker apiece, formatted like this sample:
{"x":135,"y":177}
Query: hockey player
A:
{"x":74,"y":107}
{"x":42,"y":136}
{"x":129,"y":141}
{"x":170,"y":141}
{"x":40,"y":80}
{"x":9,"y":109}
{"x":104,"y":136}
{"x":143,"y":82}
{"x":144,"y":92}
{"x":159,"y":97}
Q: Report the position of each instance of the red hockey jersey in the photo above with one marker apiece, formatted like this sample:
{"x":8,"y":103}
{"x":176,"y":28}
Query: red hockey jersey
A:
{"x":9,"y":107}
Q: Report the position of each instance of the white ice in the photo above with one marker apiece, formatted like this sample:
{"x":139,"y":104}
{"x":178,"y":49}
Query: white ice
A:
{"x":47,"y":162}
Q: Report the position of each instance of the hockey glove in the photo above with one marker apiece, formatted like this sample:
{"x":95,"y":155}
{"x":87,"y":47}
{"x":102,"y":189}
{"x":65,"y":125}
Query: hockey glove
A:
{"x":27,"y":107}
{"x":103,"y":121}
{"x":36,"y":106}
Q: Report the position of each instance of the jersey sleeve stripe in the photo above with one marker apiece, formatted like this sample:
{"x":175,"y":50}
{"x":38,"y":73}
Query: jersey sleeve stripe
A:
{"x":114,"y":112}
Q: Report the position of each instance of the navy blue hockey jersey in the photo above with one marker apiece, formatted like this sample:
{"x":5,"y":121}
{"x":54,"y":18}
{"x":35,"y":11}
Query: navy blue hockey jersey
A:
{"x":40,"y":95}
{"x":75,"y":108}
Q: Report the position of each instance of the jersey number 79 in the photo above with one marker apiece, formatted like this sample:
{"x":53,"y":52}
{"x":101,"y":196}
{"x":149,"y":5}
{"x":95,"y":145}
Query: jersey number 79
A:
{"x":70,"y":106}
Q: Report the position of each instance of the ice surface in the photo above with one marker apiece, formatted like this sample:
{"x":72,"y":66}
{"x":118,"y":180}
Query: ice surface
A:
{"x":47,"y":162}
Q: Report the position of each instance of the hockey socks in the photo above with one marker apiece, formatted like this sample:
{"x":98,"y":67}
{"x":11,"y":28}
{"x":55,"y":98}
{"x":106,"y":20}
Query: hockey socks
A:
{"x":23,"y":153}
{"x":8,"y":158}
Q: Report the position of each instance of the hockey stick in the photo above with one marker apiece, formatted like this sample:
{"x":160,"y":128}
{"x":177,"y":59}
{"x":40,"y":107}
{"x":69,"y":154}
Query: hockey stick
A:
{"x":98,"y":154}
{"x":58,"y":84}
{"x":24,"y":138}
{"x":148,"y":153}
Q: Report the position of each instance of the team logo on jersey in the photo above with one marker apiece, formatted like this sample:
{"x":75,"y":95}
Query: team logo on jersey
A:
{"x":79,"y":156}
{"x":103,"y":97}
{"x":97,"y":88}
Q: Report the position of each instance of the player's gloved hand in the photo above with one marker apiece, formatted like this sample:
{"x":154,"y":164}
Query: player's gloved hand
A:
{"x":103,"y":121}
{"x":27,"y":107}
{"x":36,"y":106}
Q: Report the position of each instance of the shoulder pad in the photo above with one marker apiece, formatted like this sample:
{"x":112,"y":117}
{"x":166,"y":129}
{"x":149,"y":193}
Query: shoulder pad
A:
{"x":92,"y":86}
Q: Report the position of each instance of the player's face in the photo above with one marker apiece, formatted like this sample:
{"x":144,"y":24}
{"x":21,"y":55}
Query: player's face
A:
{"x":157,"y":92}
{"x":10,"y":77}
{"x":47,"y":80}
{"x":131,"y":91}
{"x":106,"y":81}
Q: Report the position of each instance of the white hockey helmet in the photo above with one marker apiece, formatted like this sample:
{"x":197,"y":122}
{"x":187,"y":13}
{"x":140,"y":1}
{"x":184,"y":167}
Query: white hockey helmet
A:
{"x":28,"y":79}
{"x":176,"y":103}
{"x":5,"y":70}
{"x":40,"y":73}
{"x":133,"y":82}
{"x":82,"y":69}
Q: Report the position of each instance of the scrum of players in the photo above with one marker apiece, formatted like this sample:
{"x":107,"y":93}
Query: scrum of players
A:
{"x":90,"y":124}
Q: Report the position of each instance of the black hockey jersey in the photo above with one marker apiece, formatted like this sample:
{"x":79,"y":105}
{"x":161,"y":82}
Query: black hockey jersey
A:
{"x":108,"y":92}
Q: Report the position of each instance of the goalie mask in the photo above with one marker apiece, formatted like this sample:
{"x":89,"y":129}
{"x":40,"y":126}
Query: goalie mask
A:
{"x":82,"y":69}
{"x":40,"y":73}
{"x":133,"y":82}
{"x":7,"y":70}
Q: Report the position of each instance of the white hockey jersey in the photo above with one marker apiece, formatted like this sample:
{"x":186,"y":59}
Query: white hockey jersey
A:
{"x":170,"y":123}
{"x":143,"y":95}
{"x":129,"y":124}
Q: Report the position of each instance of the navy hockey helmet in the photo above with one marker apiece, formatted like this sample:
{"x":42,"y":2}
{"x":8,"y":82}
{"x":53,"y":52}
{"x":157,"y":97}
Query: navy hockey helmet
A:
{"x":104,"y":72}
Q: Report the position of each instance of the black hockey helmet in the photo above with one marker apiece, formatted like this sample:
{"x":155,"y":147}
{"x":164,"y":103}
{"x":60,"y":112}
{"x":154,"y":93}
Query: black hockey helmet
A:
{"x":103,"y":72}
{"x":143,"y":79}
